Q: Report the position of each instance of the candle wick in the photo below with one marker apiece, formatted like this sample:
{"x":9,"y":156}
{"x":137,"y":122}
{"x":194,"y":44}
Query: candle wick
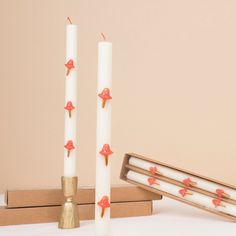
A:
{"x":103,"y":36}
{"x":68,"y":18}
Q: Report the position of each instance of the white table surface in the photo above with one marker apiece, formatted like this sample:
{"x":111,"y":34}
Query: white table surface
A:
{"x":169,"y":218}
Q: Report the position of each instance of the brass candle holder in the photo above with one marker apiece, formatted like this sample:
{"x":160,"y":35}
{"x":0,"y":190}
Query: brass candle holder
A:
{"x":69,"y":218}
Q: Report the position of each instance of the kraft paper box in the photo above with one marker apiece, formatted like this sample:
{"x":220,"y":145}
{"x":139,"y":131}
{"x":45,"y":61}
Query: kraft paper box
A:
{"x":33,"y":215}
{"x":126,"y":167}
{"x":42,"y":206}
{"x":54,"y":197}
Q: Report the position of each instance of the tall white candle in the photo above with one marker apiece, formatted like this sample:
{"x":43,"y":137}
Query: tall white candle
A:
{"x":103,"y":147}
{"x":181,"y":176}
{"x":174,"y":190}
{"x":70,"y":136}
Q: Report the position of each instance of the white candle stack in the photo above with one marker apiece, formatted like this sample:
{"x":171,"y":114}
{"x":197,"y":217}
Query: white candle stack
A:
{"x":184,"y":178}
{"x":103,"y":148}
{"x":194,"y":197}
{"x":70,"y":138}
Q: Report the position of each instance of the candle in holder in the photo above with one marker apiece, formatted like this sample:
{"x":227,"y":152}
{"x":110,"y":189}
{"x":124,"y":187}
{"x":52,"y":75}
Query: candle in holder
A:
{"x":69,"y":217}
{"x":103,"y":146}
{"x":70,"y":108}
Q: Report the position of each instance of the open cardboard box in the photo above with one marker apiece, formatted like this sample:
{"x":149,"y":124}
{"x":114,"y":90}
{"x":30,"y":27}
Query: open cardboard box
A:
{"x":126,"y":167}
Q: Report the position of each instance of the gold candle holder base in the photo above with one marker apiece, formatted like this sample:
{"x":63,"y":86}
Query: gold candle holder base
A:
{"x":69,"y":218}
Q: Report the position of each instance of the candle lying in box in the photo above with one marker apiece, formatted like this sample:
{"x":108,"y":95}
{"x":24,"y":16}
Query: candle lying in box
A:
{"x":188,"y":179}
{"x":142,"y":171}
{"x":184,"y":194}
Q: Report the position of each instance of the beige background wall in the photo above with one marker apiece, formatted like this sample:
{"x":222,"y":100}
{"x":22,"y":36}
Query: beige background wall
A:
{"x":173,"y":88}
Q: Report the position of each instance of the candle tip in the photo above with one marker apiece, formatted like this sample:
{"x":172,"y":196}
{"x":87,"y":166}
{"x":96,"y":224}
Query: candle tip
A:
{"x":103,"y":36}
{"x":68,"y":18}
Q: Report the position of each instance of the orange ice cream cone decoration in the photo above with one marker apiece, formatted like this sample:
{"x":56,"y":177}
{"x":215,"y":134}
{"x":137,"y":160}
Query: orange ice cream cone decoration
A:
{"x":154,"y":171}
{"x":217,"y":202}
{"x":104,"y":203}
{"x":69,"y":65}
{"x":106,"y":152}
{"x":183,"y":192}
{"x":69,"y":107}
{"x":221,"y":193}
{"x":69,"y":146}
{"x":188,"y":182}
{"x":105,"y":95}
{"x":152,"y":181}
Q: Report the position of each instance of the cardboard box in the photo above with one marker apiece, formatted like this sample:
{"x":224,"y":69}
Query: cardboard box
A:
{"x":33,"y":215}
{"x":180,"y":184}
{"x":54,"y":197}
{"x":126,"y":167}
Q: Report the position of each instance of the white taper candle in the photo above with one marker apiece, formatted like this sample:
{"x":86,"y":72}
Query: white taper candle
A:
{"x":103,"y":148}
{"x":70,"y":137}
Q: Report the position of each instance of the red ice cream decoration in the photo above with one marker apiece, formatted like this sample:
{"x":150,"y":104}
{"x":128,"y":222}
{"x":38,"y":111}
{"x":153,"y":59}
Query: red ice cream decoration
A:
{"x":188,"y":182}
{"x":183,"y":192}
{"x":104,"y":203}
{"x":69,"y":146}
{"x":106,"y":152}
{"x":69,"y":65}
{"x":105,"y":95}
{"x":221,"y":193}
{"x":152,"y":181}
{"x":217,"y":202}
{"x":69,"y":107}
{"x":154,"y":171}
